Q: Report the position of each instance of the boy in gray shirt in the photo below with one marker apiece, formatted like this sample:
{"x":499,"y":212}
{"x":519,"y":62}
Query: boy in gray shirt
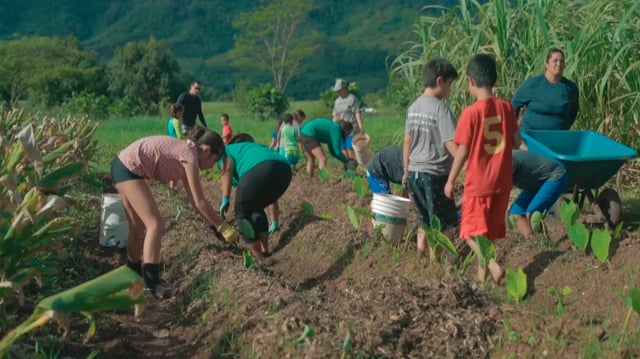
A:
{"x":427,"y":150}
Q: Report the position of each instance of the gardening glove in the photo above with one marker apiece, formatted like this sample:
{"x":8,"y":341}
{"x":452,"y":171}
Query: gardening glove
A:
{"x":350,"y":165}
{"x":405,"y":179}
{"x":224,"y":206}
{"x":273,"y":227}
{"x":229,"y":233}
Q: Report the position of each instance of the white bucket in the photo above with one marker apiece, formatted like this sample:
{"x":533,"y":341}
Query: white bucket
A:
{"x":391,"y":212}
{"x":114,"y":227}
{"x":362,"y":149}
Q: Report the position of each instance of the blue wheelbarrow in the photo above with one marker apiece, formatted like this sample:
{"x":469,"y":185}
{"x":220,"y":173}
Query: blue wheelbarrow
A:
{"x":590,"y":159}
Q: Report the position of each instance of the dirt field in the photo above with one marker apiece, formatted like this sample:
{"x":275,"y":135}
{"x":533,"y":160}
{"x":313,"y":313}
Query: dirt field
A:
{"x":333,"y":291}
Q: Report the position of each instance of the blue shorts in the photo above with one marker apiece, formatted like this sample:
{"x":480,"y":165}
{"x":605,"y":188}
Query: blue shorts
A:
{"x":292,"y":156}
{"x":347,"y":143}
{"x":377,"y":185}
{"x":540,"y":200}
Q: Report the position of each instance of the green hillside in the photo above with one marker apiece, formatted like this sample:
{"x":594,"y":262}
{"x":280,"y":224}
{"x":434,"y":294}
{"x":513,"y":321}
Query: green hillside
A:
{"x":360,"y":35}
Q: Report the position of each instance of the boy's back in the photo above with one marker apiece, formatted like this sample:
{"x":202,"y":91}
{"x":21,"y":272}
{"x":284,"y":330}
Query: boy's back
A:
{"x":486,"y":128}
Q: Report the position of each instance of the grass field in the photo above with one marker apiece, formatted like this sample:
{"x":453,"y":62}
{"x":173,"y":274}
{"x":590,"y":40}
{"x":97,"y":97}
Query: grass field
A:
{"x":384,"y":127}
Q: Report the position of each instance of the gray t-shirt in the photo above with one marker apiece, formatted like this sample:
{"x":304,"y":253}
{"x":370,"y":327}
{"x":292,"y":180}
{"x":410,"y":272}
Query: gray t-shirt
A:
{"x":387,"y":164}
{"x":346,"y":108}
{"x":430,"y":124}
{"x":531,"y":171}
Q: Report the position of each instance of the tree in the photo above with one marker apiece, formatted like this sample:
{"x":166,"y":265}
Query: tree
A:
{"x":49,"y":69}
{"x":143,"y":73}
{"x":270,"y":39}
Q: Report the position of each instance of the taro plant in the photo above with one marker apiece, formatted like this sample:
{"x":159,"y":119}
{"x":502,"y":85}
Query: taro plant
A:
{"x":436,"y":239}
{"x":559,"y":296}
{"x":323,"y":174}
{"x":632,"y":299}
{"x":537,"y":223}
{"x":486,"y":252}
{"x":359,"y":187}
{"x":600,"y":243}
{"x":516,"y":283}
{"x":247,"y":260}
{"x":354,"y":212}
{"x":307,"y":334}
{"x":580,"y":235}
{"x":307,"y":208}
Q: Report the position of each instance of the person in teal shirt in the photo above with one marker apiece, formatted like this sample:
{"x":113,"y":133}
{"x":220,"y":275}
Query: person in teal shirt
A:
{"x":550,"y":100}
{"x":174,"y":125}
{"x":323,"y":130}
{"x":261,"y":176}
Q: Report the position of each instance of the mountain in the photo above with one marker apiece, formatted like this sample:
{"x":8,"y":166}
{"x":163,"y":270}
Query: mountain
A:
{"x":360,"y":35}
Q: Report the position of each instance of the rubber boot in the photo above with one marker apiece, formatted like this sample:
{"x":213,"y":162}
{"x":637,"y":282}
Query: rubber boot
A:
{"x":136,"y":266}
{"x":151,"y":275}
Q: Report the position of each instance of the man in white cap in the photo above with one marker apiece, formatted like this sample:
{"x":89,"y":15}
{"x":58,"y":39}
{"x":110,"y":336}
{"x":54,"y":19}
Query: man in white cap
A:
{"x":347,"y":108}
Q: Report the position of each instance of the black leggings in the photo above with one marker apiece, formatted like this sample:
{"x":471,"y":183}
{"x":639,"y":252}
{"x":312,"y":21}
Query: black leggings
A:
{"x":257,"y":189}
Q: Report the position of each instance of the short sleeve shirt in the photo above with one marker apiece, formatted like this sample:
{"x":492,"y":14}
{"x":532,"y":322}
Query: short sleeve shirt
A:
{"x":346,"y":108}
{"x":159,"y":157}
{"x":290,"y":136}
{"x":487,"y":129}
{"x":247,"y":155}
{"x":430,"y":124}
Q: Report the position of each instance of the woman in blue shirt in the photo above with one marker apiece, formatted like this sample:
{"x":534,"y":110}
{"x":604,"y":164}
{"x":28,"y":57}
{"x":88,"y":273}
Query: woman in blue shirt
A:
{"x":550,"y":100}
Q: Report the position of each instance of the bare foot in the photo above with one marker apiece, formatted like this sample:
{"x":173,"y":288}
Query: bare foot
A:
{"x":497,"y":272}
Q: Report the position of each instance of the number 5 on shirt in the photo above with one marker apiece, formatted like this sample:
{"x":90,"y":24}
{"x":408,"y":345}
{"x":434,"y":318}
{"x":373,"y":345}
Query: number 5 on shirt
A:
{"x":490,"y":135}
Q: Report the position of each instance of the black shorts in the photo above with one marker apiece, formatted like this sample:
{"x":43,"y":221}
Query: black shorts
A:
{"x":120,"y":173}
{"x":257,"y":189}
{"x":429,"y":199}
{"x":308,"y":143}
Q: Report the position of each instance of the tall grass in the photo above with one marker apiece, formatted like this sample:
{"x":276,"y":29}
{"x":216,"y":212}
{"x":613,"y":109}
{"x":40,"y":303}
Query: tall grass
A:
{"x":600,"y":39}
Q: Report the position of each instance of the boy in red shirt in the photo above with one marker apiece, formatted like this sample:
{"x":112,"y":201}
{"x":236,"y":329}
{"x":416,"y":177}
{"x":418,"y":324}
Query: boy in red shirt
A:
{"x":227,"y":133}
{"x":486,"y":132}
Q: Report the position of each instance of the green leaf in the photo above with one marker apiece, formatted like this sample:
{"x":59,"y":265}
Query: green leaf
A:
{"x":445,"y":242}
{"x":486,"y":250}
{"x":568,"y":213}
{"x":247,"y":259}
{"x":52,"y":179}
{"x":511,"y":222}
{"x":326,"y":216}
{"x":516,"y":283}
{"x":600,"y":243}
{"x":358,"y":186}
{"x":435,"y":223}
{"x":566,"y":291}
{"x":352,"y":217}
{"x":578,"y":234}
{"x":306,"y":333}
{"x":536,"y":222}
{"x":633,"y":299}
{"x":307,"y":208}
{"x":616,"y":231}
{"x":323,"y":174}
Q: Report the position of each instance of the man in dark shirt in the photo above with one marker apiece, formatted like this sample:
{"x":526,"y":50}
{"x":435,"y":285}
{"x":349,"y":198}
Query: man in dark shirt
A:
{"x":541,"y":180}
{"x":384,"y":167}
{"x":192,"y":107}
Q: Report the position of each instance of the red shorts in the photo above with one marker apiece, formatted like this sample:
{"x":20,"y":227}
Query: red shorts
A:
{"x":484,"y":215}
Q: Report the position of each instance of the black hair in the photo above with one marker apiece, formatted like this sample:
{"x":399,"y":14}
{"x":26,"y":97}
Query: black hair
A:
{"x":225,"y":115}
{"x":287,"y":118}
{"x":241,"y":137}
{"x":175,"y":109}
{"x":437,"y":68}
{"x":203,"y":136}
{"x":300,"y":113}
{"x":553,"y":51}
{"x":482,"y":69}
{"x":345,"y":127}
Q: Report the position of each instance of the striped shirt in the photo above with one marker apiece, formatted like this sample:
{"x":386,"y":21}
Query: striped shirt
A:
{"x":159,"y":157}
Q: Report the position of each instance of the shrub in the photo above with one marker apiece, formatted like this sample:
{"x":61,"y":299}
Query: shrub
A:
{"x":266,"y":102}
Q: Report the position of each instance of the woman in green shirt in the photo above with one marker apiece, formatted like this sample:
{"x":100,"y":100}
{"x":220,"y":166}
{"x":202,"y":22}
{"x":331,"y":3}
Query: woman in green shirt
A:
{"x":550,"y":100}
{"x":323,"y":130}
{"x":261,"y":176}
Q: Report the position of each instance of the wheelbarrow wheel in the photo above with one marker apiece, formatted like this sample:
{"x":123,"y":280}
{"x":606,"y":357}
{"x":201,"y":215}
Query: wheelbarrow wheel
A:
{"x":611,"y":206}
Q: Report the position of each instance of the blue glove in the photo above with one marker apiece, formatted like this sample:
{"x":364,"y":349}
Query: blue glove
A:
{"x":273,"y":227}
{"x":224,"y":206}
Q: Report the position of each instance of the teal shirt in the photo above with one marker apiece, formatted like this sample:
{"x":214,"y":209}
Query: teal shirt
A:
{"x":247,"y":155}
{"x":328,"y":132}
{"x":549,"y":106}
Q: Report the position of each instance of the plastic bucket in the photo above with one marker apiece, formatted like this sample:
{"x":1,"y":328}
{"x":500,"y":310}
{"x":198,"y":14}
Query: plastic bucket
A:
{"x":362,"y":149}
{"x":391,"y":212}
{"x":114,"y":227}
